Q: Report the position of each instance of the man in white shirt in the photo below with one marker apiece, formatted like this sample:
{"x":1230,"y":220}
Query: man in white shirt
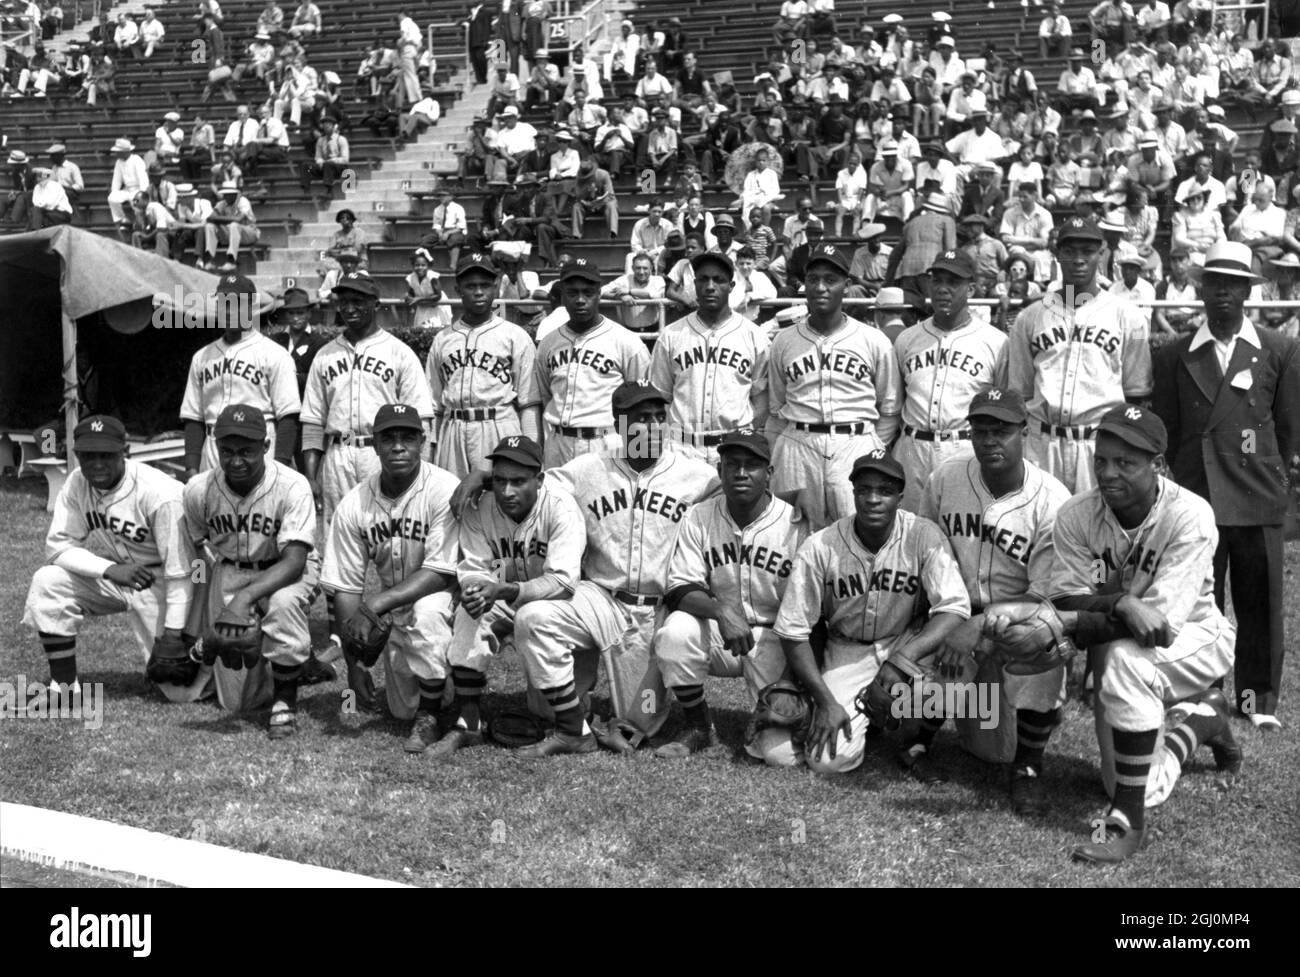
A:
{"x":419,"y":117}
{"x":650,"y":233}
{"x":1202,"y":181}
{"x":948,"y":68}
{"x":130,"y":176}
{"x":126,"y":36}
{"x":192,"y":213}
{"x":409,"y":30}
{"x":505,"y":90}
{"x":515,"y":139}
{"x":1077,"y":86}
{"x":152,"y":32}
{"x":642,"y":283}
{"x":978,"y":144}
{"x":1131,"y":284}
{"x":653,"y":85}
{"x":750,"y":287}
{"x":1054,"y":32}
{"x":50,"y":204}
{"x":1153,"y":20}
{"x":241,"y":133}
{"x":270,"y":144}
{"x":1260,"y":225}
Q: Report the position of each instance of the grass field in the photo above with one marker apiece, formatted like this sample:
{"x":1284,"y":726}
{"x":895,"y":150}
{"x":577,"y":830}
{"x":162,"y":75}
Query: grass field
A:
{"x":342,"y":793}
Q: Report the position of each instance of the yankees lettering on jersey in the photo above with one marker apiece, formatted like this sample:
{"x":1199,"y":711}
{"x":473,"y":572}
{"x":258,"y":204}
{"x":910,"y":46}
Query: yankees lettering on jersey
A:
{"x":592,"y":358}
{"x":577,"y":373}
{"x":884,"y":580}
{"x":257,"y":526}
{"x":1098,"y":335}
{"x":937,"y":356}
{"x":248,"y":523}
{"x":256,"y":371}
{"x":337,"y":365}
{"x":972,"y":525}
{"x":710,"y":374}
{"x":747,"y":554}
{"x":843,"y":363}
{"x":657,"y":503}
{"x":117,"y":526}
{"x":473,"y":359}
{"x":714,"y":356}
{"x":230,"y":368}
{"x":348,"y":384}
{"x":943,"y":371}
{"x":850,"y":375}
{"x":489,"y":365}
{"x":542,"y":552}
{"x":415,"y":530}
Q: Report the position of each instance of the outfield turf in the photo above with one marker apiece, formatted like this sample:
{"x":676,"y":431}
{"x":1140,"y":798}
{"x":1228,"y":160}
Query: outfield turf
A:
{"x":342,"y":794}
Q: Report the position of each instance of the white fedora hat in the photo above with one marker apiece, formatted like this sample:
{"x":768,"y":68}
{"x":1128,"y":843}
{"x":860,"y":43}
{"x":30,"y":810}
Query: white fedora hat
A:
{"x":1230,"y":258}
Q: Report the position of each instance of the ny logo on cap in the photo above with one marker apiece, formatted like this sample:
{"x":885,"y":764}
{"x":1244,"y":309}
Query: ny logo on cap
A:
{"x":97,"y":425}
{"x":479,"y":256}
{"x":747,"y":432}
{"x":580,"y":262}
{"x":828,"y":249}
{"x":230,"y":279}
{"x":1133,"y":414}
{"x":239,"y":416}
{"x":399,"y":409}
{"x":877,"y":454}
{"x":995,"y":395}
{"x":1076,"y":222}
{"x":512,"y":442}
{"x":949,"y":255}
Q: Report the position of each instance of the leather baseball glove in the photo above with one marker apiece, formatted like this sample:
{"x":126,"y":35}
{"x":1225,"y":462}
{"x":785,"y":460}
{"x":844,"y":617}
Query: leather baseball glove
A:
{"x":236,"y":640}
{"x":365,"y":634}
{"x":512,"y":727}
{"x":1028,"y":636}
{"x":782,"y":705}
{"x":876,"y":700}
{"x":170,"y":662}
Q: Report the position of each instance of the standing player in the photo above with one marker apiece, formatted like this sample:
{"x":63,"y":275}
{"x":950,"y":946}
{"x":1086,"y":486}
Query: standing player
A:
{"x":481,"y":373}
{"x":833,"y":389}
{"x":944,"y":361}
{"x":580,"y":365}
{"x":117,"y":544}
{"x":1073,"y":355}
{"x":242,"y":367}
{"x":259,"y":522}
{"x":521,"y":545}
{"x":711,"y":365}
{"x":886,"y":585}
{"x":729,"y":570}
{"x":997,"y":511}
{"x":400,"y":520}
{"x":632,"y":504}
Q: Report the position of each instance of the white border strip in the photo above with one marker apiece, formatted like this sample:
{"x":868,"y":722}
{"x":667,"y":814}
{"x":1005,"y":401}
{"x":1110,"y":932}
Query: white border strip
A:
{"x":76,"y":843}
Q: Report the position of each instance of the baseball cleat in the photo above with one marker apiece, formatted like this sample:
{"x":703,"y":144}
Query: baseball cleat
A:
{"x":316,"y":671}
{"x":284,"y":722}
{"x":690,"y":739}
{"x":424,"y":733}
{"x":616,"y":735}
{"x":362,"y":686}
{"x":457,"y":738}
{"x":1121,"y":842}
{"x":1227,"y":754}
{"x":916,"y":763}
{"x":1265,"y":723}
{"x":1028,"y":795}
{"x":558,"y":743}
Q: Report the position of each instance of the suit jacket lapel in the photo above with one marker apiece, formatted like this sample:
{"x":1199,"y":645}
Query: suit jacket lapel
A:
{"x":1228,"y":395}
{"x":1203,"y":365}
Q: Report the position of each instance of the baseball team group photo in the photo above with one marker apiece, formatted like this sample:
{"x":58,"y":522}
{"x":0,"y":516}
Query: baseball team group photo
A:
{"x":609,"y":445}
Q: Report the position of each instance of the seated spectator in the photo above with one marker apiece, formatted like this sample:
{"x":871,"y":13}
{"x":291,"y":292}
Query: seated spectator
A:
{"x":240,"y":134}
{"x":869,"y":264}
{"x":424,"y":294}
{"x":750,"y":287}
{"x":192,"y":213}
{"x":1240,"y":187}
{"x":65,"y":173}
{"x":298,"y":91}
{"x":231,"y":222}
{"x":1086,"y":146}
{"x":594,"y":194}
{"x":927,"y":104}
{"x":130,"y":176}
{"x":1273,"y":72}
{"x":150,"y":224}
{"x":15,"y":204}
{"x":1196,"y":229}
{"x":1112,"y":21}
{"x":641,"y":283}
{"x":1141,"y":222}
{"x":1153,"y":21}
{"x":948,"y":67}
{"x":1054,"y":32}
{"x":101,"y":82}
{"x":269,"y":145}
{"x":75,"y":69}
{"x":449,"y":227}
{"x":1063,"y":179}
{"x":531,"y":216}
{"x":1202,"y":181}
{"x":514,"y":141}
{"x":1077,"y":86}
{"x":168,"y":141}
{"x":791,"y":22}
{"x":196,"y":157}
{"x":348,"y":260}
{"x":545,"y":86}
{"x":1282,"y":284}
{"x":516,"y":283}
{"x":889,"y":186}
{"x":1152,"y":167}
{"x":1024,"y":168}
{"x":350,"y":237}
{"x":851,"y":186}
{"x":964,"y":100}
{"x":987,"y":252}
{"x":983,"y":196}
{"x":126,"y":37}
{"x":1171,"y":323}
{"x":419,"y":117}
{"x":331,"y":159}
{"x":473,"y":157}
{"x":1017,"y":287}
{"x":306,"y":21}
{"x":821,"y":17}
{"x":1261,"y":226}
{"x":375,"y":74}
{"x":661,"y":149}
{"x":680,"y":287}
{"x":1131,"y":286}
{"x":690,"y":86}
{"x":1026,"y":225}
{"x":270,"y":22}
{"x":259,"y":61}
{"x":504,"y":89}
{"x":650,"y":233}
{"x":152,"y":32}
{"x":160,"y":189}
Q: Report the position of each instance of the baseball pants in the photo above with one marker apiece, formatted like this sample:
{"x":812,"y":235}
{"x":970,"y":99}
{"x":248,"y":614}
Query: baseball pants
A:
{"x":343,"y":468}
{"x":58,"y":602}
{"x":417,"y":649}
{"x":560,"y":449}
{"x":921,"y":458}
{"x":463,"y":445}
{"x":1069,"y":459}
{"x":1137,"y":685}
{"x":561,"y":640}
{"x":209,"y":457}
{"x":689,"y":649}
{"x":815,"y":468}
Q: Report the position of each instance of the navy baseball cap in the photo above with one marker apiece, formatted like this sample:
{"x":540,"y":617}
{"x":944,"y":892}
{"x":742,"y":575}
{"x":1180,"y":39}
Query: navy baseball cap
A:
{"x":99,"y":432}
{"x":397,"y":415}
{"x":477,"y":260}
{"x":240,"y":421}
{"x":1143,"y":429}
{"x":715,"y":258}
{"x":957,"y":263}
{"x":880,"y":461}
{"x":582,"y":270}
{"x":519,"y":449}
{"x":629,"y":394}
{"x":236,"y":285}
{"x":746,"y":439}
{"x":828,"y":254}
{"x":1079,"y":229}
{"x":1001,"y":403}
{"x":359,"y":282}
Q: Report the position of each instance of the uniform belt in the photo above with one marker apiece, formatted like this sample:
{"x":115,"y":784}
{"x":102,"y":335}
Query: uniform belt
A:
{"x":586,"y":433}
{"x":704,"y":440}
{"x":353,"y":440}
{"x":936,"y":435}
{"x":858,"y":427}
{"x":1066,"y":431}
{"x":473,"y":414}
{"x":637,"y":600}
{"x":254,"y":565}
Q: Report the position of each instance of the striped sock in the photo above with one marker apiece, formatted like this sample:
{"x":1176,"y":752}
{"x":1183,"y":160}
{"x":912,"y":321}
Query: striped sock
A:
{"x":470,"y":685}
{"x":1033,"y":730}
{"x":1184,"y":738}
{"x":284,"y":679}
{"x":330,"y":614}
{"x":61,"y":653}
{"x":692,"y":699}
{"x":431,"y":691}
{"x":1133,"y":752}
{"x":567,"y":707}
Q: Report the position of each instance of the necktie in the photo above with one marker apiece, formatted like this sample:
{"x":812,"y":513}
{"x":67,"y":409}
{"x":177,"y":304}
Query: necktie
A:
{"x":241,"y":134}
{"x":261,"y":131}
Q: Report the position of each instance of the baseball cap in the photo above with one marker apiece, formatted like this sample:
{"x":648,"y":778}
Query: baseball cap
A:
{"x":747,"y":439}
{"x":236,"y":285}
{"x":712,"y":257}
{"x":476,"y":260}
{"x":397,"y":415}
{"x":240,"y":421}
{"x":1143,"y":429}
{"x":99,"y":432}
{"x":359,"y":282}
{"x":828,"y":254}
{"x":999,"y":402}
{"x":958,"y":263}
{"x":582,"y":269}
{"x":1079,"y":229}
{"x":881,"y":461}
{"x":517,"y":448}
{"x":631,"y":393}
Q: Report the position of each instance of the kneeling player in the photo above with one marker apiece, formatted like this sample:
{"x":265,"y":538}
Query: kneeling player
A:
{"x":728,"y":572}
{"x":259,"y":520}
{"x":888,"y":588}
{"x":400,"y":520}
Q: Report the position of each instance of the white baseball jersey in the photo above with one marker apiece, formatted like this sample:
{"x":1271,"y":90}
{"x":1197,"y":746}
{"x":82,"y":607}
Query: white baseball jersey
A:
{"x":348,"y":384}
{"x":577,"y":373}
{"x":710,"y":375}
{"x":489,"y":365}
{"x":943,"y":371}
{"x":540,"y":553}
{"x":632,"y":517}
{"x":746,"y":568}
{"x":141,"y":521}
{"x":399,"y":536}
{"x":254,"y":528}
{"x":1002,"y":545}
{"x":871,"y":598}
{"x":256,"y":371}
{"x":850,"y":375}
{"x":1073,"y":365}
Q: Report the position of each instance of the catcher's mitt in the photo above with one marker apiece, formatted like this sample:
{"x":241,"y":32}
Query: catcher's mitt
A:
{"x":1027,"y":636}
{"x":365,"y":635}
{"x":236,"y":640}
{"x":170,"y":662}
{"x":515,"y":727}
{"x":783,"y":705}
{"x":876,"y":700}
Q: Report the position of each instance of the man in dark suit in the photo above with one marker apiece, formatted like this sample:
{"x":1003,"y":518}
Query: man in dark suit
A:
{"x":510,"y":30}
{"x":480,"y":35}
{"x":1230,"y":396}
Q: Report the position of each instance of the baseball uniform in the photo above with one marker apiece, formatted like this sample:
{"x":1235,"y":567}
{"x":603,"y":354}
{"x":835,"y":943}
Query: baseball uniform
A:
{"x":481,"y":378}
{"x":631,"y":520}
{"x":1167,"y":562}
{"x":400,"y":536}
{"x":1072,"y":365}
{"x":141,"y":521}
{"x":347,"y":386}
{"x":256,"y":371}
{"x":941,"y":372}
{"x":577,"y":374}
{"x":832,"y":392}
{"x":873,"y":605}
{"x":712,"y":377}
{"x":247,"y":535}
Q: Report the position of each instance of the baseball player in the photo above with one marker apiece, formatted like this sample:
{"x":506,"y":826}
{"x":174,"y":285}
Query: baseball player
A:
{"x":522,"y":545}
{"x":400,"y":520}
{"x":632,"y":503}
{"x":833,"y":390}
{"x":580,"y":365}
{"x":729,"y":570}
{"x":997,"y":511}
{"x":887,"y":586}
{"x":712,"y":364}
{"x":258,"y":522}
{"x":944,"y":362}
{"x":1074,"y":354}
{"x":242,"y":367}
{"x":481,"y":372}
{"x":117,"y":544}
